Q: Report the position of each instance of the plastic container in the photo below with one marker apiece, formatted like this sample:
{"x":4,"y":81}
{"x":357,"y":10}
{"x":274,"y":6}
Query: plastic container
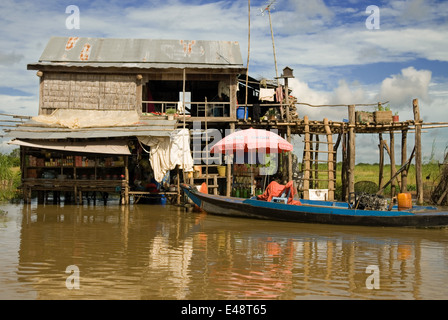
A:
{"x":240,"y":113}
{"x":404,"y":201}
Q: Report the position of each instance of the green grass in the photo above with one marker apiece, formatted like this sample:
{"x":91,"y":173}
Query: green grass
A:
{"x":370,"y":172}
{"x":10,"y":174}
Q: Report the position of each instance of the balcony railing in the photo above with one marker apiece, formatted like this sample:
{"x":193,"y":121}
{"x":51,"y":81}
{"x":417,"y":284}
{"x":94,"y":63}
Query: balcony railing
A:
{"x":194,"y":109}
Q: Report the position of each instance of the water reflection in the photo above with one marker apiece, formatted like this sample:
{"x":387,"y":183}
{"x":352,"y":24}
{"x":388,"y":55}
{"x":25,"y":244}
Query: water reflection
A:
{"x":162,"y":252}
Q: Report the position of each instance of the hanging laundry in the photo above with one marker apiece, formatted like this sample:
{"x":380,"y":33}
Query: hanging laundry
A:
{"x":279,"y":94}
{"x":267,"y":94}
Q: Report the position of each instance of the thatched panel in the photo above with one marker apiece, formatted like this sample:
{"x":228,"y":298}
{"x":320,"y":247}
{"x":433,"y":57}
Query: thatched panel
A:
{"x":88,"y":91}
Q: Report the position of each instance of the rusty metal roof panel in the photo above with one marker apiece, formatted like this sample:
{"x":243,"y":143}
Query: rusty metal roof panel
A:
{"x":141,"y":52}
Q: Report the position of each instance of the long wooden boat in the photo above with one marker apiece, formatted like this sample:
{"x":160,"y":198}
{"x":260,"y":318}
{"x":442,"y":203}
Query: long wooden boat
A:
{"x":316,"y":211}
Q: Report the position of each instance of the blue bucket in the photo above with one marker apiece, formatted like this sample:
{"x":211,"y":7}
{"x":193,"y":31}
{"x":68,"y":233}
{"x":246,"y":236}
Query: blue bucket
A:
{"x":240,"y":112}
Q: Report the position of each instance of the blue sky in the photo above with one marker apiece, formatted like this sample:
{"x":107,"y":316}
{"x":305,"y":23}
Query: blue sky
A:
{"x":335,"y":57}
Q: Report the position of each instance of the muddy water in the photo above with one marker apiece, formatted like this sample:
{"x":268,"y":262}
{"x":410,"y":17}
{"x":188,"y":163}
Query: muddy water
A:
{"x":162,"y":252}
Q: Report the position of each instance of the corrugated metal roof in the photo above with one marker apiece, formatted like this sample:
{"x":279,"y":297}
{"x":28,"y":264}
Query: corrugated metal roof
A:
{"x":141,"y":53}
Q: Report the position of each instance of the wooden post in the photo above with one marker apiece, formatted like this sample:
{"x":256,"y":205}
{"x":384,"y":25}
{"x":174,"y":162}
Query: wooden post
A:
{"x":40,"y":74}
{"x":316,"y":163}
{"x":288,"y":138}
{"x":287,"y":99}
{"x":393,"y":170}
{"x":330,"y":161}
{"x":288,"y":129}
{"x":381,"y":165}
{"x":418,"y":152}
{"x":404,"y":173}
{"x":344,"y":167}
{"x":351,"y":142}
{"x":126,"y":176}
{"x":229,"y":167}
{"x":139,"y":106}
{"x":306,"y":174}
{"x":178,"y":185}
{"x":311,"y":159}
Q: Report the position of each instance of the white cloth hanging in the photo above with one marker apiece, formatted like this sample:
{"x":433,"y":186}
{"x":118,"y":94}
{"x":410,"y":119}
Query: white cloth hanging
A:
{"x":267,"y":94}
{"x":168,"y":152}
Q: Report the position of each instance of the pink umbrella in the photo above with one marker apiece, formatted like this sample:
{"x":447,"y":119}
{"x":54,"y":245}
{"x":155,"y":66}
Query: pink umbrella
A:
{"x":252,"y":140}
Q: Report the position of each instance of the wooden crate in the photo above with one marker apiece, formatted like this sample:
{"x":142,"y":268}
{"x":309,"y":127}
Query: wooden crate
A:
{"x":382,"y":117}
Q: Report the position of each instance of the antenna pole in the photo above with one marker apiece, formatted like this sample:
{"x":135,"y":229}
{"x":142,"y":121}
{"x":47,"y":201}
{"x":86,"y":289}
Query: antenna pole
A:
{"x":268,"y":9}
{"x":273,"y":44}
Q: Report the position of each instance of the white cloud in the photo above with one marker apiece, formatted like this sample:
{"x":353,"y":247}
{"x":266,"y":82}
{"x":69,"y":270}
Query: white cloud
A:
{"x":401,"y":88}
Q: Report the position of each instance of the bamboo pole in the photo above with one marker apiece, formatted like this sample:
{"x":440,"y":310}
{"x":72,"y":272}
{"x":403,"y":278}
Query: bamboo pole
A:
{"x":351,"y":142}
{"x":418,"y":152}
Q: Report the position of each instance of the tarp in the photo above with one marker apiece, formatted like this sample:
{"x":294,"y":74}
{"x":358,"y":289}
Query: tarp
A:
{"x":275,"y":189}
{"x":166,"y":153}
{"x":103,"y":147}
{"x":78,"y":118}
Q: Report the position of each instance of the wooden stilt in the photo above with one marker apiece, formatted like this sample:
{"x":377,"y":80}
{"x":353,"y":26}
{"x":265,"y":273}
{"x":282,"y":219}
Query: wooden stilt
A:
{"x":229,"y":167}
{"x":351,"y":142}
{"x":344,"y":167}
{"x":393,"y":170}
{"x":306,"y":173}
{"x":330,"y":161}
{"x":404,"y":173}
{"x":418,"y":152}
{"x":381,"y":164}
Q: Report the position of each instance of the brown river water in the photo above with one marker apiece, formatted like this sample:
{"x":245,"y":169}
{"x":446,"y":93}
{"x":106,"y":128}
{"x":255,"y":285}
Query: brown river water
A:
{"x":162,"y":252}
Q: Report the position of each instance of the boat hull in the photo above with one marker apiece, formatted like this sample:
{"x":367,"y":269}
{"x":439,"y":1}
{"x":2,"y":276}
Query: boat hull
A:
{"x":312,"y":212}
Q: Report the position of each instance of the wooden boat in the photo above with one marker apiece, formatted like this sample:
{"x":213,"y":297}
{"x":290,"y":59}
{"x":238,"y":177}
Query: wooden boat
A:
{"x":317,"y":211}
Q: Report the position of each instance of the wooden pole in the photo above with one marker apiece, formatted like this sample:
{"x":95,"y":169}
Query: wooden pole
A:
{"x":381,"y":164}
{"x":306,"y":174}
{"x":351,"y":142}
{"x":344,"y":167}
{"x":330,"y":161}
{"x":178,"y":185}
{"x":418,"y":152}
{"x":248,"y":55}
{"x":126,"y":176}
{"x":288,"y":127}
{"x":393,"y":170}
{"x":404,"y":173}
{"x":229,"y":167}
{"x":316,"y":163}
{"x":311,"y":159}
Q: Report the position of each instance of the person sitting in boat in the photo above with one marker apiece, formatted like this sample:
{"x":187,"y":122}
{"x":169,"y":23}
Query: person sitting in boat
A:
{"x":276,"y":189}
